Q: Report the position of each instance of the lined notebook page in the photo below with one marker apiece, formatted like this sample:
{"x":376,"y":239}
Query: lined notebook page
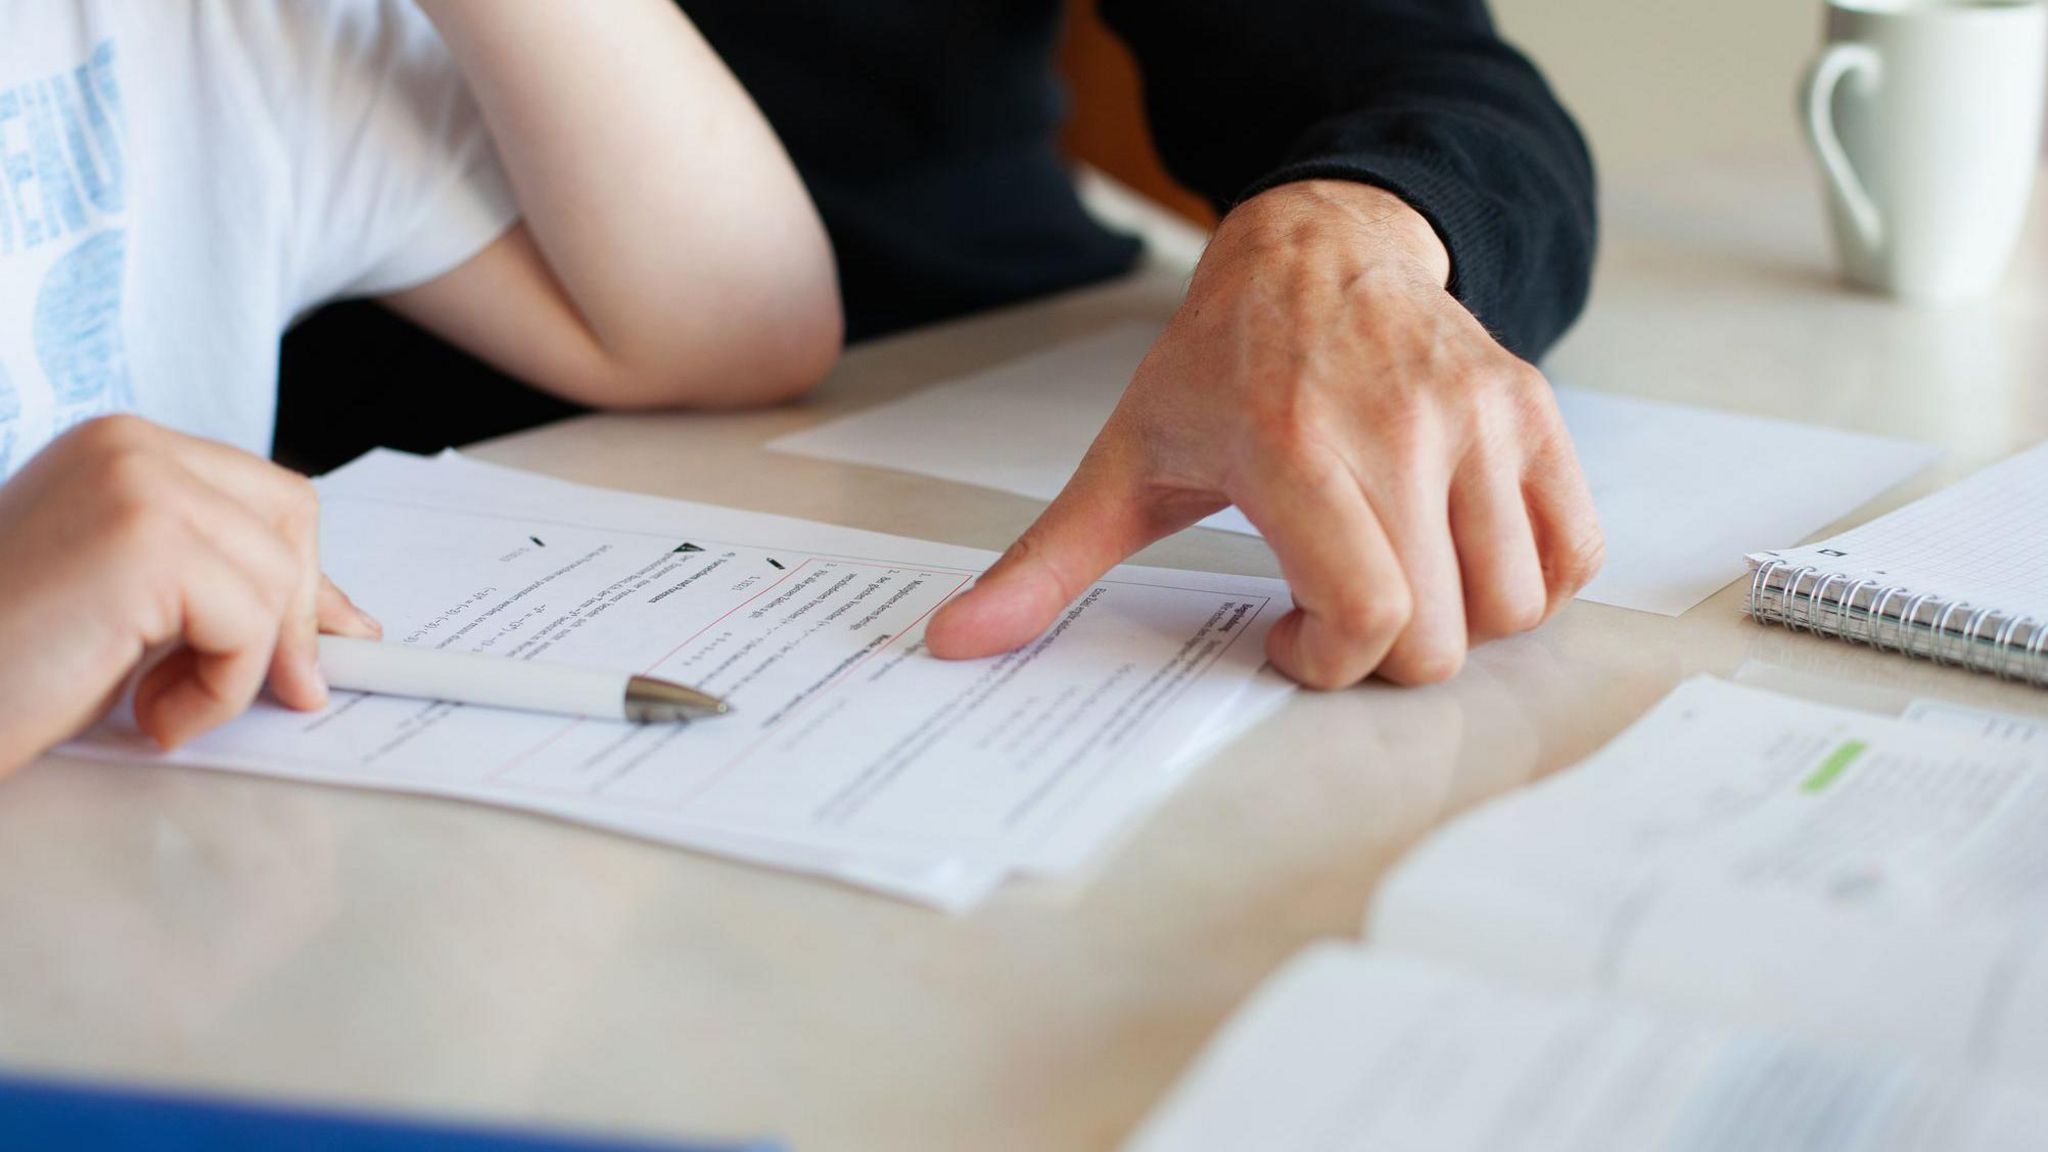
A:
{"x":1984,"y":541}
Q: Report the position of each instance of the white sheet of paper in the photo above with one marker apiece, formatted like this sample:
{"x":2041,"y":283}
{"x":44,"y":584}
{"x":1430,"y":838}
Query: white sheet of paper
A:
{"x":849,"y":753}
{"x":1350,"y":1050}
{"x":1683,"y":493}
{"x":1979,"y":721}
{"x":1760,"y":859}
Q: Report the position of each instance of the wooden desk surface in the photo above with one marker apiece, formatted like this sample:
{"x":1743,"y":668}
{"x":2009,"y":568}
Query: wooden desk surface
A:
{"x":211,"y":931}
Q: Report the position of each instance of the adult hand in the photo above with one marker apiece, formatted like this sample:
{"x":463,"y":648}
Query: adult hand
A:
{"x":123,"y":540}
{"x":1413,"y":476}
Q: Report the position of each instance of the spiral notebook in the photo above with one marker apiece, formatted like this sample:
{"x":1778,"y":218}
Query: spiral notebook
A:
{"x":1960,"y":577}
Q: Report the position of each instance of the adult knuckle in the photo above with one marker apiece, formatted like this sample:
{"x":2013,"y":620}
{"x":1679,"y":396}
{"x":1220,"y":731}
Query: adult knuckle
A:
{"x":1373,"y":618}
{"x":1512,"y":610}
{"x":1319,"y":660}
{"x":1520,"y":406}
{"x":1431,"y":662}
{"x":1328,"y":675}
{"x":1524,"y":614}
{"x":1525,"y":382}
{"x":1580,"y":559}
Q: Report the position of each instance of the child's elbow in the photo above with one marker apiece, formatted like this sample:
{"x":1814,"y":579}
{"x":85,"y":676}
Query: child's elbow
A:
{"x":796,"y":341}
{"x":800,"y":350}
{"x":773,"y":356}
{"x":781,"y":355}
{"x":788,"y":340}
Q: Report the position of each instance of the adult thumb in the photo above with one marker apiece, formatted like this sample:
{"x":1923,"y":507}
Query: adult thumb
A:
{"x":1098,"y":520}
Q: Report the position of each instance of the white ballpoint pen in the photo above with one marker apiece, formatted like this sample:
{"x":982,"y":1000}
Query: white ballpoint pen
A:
{"x":496,"y":682}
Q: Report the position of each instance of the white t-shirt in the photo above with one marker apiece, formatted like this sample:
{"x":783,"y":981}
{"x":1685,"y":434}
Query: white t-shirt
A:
{"x":181,"y":179}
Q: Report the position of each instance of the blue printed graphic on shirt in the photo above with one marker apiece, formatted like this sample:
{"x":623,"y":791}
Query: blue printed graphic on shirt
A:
{"x":63,"y":250}
{"x":78,"y":330}
{"x":61,"y":154}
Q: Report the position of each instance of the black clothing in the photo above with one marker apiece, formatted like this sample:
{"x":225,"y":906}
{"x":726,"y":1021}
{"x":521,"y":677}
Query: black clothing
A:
{"x":924,"y":130}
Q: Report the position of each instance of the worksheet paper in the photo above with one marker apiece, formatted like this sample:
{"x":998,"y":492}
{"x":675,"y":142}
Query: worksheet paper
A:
{"x":1980,"y":722}
{"x":850,"y":752}
{"x":1750,"y":921}
{"x":1765,"y":861}
{"x":1683,"y":493}
{"x":1354,"y":1050}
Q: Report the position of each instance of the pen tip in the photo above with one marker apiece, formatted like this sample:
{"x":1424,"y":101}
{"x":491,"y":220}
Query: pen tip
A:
{"x":653,"y":701}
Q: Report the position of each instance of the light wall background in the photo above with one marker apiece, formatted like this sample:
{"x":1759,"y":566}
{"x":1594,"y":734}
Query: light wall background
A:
{"x":1660,"y":81}
{"x":1654,"y":83}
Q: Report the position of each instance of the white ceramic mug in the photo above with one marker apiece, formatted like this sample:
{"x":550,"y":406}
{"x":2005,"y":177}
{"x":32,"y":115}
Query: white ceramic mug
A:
{"x":1926,"y":117}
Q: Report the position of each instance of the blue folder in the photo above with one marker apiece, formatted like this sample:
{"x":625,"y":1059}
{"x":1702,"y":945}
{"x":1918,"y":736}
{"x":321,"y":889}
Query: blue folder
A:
{"x":43,"y":1114}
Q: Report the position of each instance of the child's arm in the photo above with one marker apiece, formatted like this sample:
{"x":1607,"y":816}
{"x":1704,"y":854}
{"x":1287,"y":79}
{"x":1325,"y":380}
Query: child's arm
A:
{"x":669,"y":254}
{"x":124,"y":539}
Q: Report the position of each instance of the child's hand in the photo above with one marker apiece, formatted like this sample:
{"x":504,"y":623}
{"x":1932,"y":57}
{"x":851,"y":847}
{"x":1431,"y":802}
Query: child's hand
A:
{"x":123,"y":539}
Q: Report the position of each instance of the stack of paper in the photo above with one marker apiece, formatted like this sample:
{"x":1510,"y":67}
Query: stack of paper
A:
{"x":850,"y":752}
{"x":1682,"y":492}
{"x":1749,"y":922}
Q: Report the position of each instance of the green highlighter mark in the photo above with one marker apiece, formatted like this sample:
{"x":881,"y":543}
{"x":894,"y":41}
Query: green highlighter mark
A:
{"x":1837,"y":762}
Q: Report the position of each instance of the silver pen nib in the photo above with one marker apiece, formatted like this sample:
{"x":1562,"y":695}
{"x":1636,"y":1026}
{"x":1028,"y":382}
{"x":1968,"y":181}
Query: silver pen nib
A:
{"x":652,"y":701}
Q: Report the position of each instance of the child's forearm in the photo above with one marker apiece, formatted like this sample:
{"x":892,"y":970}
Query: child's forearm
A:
{"x":660,"y":198}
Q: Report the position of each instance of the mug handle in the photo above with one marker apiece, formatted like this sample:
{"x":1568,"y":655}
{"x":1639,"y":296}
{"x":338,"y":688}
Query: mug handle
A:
{"x":1839,"y":62}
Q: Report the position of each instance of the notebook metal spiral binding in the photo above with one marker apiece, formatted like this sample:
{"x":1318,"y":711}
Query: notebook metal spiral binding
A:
{"x":1890,"y":617}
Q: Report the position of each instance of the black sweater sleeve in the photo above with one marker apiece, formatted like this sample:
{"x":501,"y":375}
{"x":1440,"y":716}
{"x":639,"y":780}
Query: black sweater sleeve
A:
{"x":1419,"y":97}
